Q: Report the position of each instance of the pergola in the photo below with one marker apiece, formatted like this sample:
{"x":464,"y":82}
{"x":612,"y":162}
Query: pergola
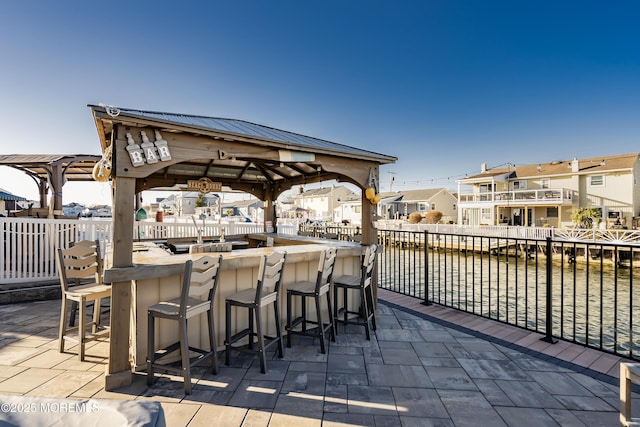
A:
{"x":152,"y":150}
{"x":51,"y":171}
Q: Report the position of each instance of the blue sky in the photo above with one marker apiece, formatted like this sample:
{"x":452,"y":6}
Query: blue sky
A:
{"x":442,"y":85}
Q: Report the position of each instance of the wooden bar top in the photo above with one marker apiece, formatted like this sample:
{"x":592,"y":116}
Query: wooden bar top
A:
{"x":152,"y":261}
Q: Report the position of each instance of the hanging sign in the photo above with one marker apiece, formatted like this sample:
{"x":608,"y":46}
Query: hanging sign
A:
{"x":203,"y":185}
{"x":148,"y":152}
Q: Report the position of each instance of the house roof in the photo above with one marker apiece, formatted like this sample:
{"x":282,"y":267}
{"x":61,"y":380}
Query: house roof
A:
{"x":10,"y":197}
{"x":317,"y":192}
{"x":412,"y":195}
{"x":589,"y":165}
{"x":419,"y":195}
{"x":247,"y":203}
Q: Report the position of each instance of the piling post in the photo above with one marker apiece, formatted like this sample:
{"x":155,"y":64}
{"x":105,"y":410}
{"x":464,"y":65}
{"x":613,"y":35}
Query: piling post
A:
{"x":549,"y":320}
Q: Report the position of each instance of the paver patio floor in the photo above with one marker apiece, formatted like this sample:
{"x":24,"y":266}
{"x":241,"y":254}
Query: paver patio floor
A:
{"x":417,"y":370}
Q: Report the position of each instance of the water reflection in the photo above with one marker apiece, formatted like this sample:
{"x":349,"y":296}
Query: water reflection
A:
{"x":593,"y":303}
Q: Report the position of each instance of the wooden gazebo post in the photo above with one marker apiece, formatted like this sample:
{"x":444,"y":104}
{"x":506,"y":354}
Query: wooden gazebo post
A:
{"x":118,"y":369}
{"x":269,"y":208}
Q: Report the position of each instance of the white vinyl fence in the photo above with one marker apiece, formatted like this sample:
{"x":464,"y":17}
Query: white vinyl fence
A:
{"x":28,"y":245}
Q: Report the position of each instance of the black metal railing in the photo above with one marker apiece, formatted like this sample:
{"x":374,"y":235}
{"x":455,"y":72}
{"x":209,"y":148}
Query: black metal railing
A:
{"x":583,"y":292}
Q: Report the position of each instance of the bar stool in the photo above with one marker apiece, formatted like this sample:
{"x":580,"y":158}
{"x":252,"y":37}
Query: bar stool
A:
{"x":81,"y":262}
{"x":307,"y":289}
{"x":200,"y":279}
{"x":255,"y":299}
{"x":362,"y":284}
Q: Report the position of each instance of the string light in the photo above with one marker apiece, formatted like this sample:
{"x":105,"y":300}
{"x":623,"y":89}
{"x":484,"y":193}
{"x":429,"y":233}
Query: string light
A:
{"x":448,"y":179}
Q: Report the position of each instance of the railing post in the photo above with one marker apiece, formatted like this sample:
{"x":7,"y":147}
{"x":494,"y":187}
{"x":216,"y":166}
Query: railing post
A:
{"x":426,"y":270}
{"x":549,"y":321}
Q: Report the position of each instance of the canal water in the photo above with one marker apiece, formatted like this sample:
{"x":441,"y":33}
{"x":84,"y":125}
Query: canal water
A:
{"x":592,"y":303}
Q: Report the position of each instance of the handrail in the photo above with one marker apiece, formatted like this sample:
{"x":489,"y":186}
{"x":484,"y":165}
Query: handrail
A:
{"x":559,"y":195}
{"x":579,"y":291}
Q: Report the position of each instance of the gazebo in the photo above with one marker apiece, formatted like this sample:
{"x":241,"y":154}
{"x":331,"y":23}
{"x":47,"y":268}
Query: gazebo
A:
{"x":51,"y":171}
{"x":146,"y":150}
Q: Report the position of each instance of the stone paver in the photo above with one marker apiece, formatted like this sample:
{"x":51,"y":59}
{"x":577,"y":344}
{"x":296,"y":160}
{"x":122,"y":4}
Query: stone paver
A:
{"x":416,"y":370}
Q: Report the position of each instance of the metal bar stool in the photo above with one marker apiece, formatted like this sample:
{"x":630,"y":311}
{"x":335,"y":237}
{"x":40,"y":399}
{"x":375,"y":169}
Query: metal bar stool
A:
{"x":255,"y":299}
{"x":315,"y":290}
{"x":361,"y":284}
{"x":200,"y":279}
{"x":81,"y":262}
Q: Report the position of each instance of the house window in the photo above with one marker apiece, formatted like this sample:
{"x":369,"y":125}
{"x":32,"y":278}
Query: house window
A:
{"x":422,"y":207}
{"x":596,"y":180}
{"x":487,"y":188}
{"x":545,"y":183}
{"x":552,"y":212}
{"x":519,"y":185}
{"x":357,"y":208}
{"x":433,"y":206}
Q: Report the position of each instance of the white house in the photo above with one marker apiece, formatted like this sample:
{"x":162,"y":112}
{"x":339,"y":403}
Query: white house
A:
{"x":184,"y":203}
{"x":321,"y":203}
{"x":252,"y":208}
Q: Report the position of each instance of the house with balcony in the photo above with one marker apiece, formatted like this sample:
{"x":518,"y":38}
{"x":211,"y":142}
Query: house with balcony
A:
{"x":546,"y":194}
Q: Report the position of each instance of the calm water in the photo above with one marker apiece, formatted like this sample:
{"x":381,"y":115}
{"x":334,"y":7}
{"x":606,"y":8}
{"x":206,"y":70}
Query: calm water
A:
{"x":598,"y":304}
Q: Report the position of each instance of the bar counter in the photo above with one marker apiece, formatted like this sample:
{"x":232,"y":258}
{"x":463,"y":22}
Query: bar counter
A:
{"x":156,"y":275}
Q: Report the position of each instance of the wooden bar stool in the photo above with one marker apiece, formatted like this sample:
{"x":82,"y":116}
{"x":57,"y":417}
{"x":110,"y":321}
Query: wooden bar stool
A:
{"x":361,"y":284}
{"x":81,"y":262}
{"x":255,"y":299}
{"x":200,"y":279}
{"x":307,"y":289}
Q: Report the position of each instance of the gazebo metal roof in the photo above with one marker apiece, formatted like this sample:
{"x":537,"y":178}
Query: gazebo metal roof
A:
{"x":75,"y":167}
{"x":240,"y":154}
{"x":241,"y":128}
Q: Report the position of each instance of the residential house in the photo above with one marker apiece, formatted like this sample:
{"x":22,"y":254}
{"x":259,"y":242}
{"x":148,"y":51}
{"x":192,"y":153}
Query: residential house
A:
{"x":320,"y":203}
{"x":9,"y":202}
{"x":349,"y":210}
{"x":73,"y":209}
{"x":546,"y":194}
{"x":184,"y":203}
{"x":252,"y":209}
{"x":399,"y":204}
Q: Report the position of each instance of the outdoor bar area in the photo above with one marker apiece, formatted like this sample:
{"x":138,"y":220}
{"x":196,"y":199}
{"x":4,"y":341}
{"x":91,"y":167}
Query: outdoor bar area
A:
{"x":144,"y":150}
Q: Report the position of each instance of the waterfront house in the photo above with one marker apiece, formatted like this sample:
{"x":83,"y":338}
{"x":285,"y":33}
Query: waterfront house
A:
{"x":546,"y":194}
{"x":400,"y":204}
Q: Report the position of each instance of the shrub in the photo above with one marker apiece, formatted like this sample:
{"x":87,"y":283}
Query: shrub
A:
{"x":585,"y":217}
{"x":415,"y":217}
{"x":433,"y":217}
